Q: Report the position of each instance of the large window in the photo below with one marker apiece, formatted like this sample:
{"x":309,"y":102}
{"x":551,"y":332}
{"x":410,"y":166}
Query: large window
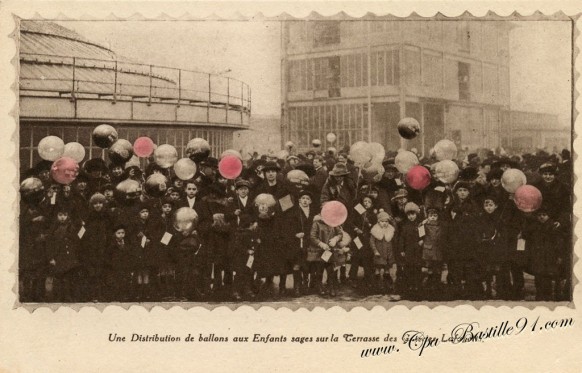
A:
{"x":354,"y":70}
{"x":348,"y":122}
{"x":326,"y":33}
{"x":412,"y":66}
{"x":385,"y":68}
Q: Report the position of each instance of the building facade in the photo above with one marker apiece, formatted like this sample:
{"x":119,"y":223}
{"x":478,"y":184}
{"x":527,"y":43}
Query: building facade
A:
{"x":358,"y":78}
{"x":68,"y":85}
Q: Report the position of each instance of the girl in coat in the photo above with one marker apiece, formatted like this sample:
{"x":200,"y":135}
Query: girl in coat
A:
{"x":243,"y":246}
{"x":382,"y":234}
{"x":63,"y":252}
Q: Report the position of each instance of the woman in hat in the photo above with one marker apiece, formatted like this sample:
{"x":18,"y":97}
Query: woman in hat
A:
{"x":339,"y":187}
{"x":273,"y":183}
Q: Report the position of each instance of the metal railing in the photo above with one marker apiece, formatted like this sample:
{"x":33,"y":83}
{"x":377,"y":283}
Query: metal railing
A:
{"x":78,"y":77}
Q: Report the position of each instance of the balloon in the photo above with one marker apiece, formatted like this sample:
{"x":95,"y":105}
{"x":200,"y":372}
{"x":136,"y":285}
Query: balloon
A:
{"x":289,"y":145}
{"x":156,"y":185}
{"x":331,"y":137}
{"x":165,"y":156}
{"x":373,"y":171}
{"x":231,"y":152}
{"x":334,"y":213}
{"x":408,"y":128}
{"x":528,"y":198}
{"x":316,"y":143}
{"x":185,"y":169}
{"x":143,"y":147}
{"x":377,"y":152}
{"x":265,"y":204}
{"x":32,"y":190}
{"x":75,"y":151}
{"x":405,"y":160}
{"x":446,"y":171}
{"x":332,"y":150}
{"x":445,"y":149}
{"x":359,"y":153}
{"x":230,"y":167}
{"x":120,"y":151}
{"x":297,"y":177}
{"x":51,"y":148}
{"x":197,"y":149}
{"x":512,"y":179}
{"x":128,"y":190}
{"x":134,"y":161}
{"x":418,"y":177}
{"x":104,"y":136}
{"x":282,"y":154}
{"x":185,"y":220}
{"x":65,"y":170}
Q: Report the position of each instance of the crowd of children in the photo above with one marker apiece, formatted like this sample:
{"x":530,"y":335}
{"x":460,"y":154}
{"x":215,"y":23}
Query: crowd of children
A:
{"x":99,"y":239}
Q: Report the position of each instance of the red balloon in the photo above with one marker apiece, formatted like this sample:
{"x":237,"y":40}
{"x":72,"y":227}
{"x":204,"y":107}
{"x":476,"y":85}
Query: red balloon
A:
{"x":418,"y":177}
{"x":528,"y":198}
{"x":230,"y":167}
{"x":334,"y":213}
{"x":143,"y":147}
{"x":64,"y":170}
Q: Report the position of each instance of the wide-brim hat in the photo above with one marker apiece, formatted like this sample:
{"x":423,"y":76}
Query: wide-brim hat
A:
{"x":504,"y":160}
{"x":271,"y":166}
{"x":468,"y":173}
{"x":308,"y":168}
{"x":389,"y":164}
{"x":495,"y":173}
{"x":290,"y":157}
{"x":95,"y":164}
{"x":462,"y":184}
{"x":339,"y":169}
{"x":400,"y":193}
{"x":304,"y":192}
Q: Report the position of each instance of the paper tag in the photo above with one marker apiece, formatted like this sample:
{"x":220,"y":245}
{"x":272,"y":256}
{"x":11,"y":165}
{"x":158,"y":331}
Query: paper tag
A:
{"x":250,"y":261}
{"x":359,"y":208}
{"x":166,"y":238}
{"x":358,"y":243}
{"x":453,"y":214}
{"x":143,"y":241}
{"x":54,"y":199}
{"x":301,"y":243}
{"x":81,"y":232}
{"x":326,"y":255}
{"x":521,"y":244}
{"x":440,"y":188}
{"x":421,"y":232}
{"x":398,"y":182}
{"x":286,"y":203}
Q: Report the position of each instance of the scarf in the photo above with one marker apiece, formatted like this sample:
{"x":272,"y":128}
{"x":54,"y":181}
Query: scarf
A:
{"x":380,"y":233}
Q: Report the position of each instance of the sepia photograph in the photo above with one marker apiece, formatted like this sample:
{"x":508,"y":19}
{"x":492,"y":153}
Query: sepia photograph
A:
{"x":295,"y":161}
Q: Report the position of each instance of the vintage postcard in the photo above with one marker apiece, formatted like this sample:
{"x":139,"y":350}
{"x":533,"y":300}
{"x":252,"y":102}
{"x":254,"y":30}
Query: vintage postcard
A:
{"x":289,"y":186}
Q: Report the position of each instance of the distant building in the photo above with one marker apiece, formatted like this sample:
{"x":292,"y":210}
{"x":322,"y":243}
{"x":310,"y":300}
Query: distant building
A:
{"x":263,"y":136}
{"x":68,"y":85}
{"x":358,"y":78}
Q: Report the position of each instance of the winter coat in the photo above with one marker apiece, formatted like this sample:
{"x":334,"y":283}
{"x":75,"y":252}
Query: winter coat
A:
{"x":464,"y":236}
{"x":320,"y":233}
{"x":33,"y":254}
{"x":556,"y":197}
{"x":363,"y":222}
{"x":63,"y":247}
{"x":214,"y":228}
{"x":296,"y":222}
{"x":545,"y":244}
{"x":269,"y":256}
{"x":433,"y":241}
{"x":243,"y":241}
{"x":98,"y":230}
{"x":152,"y":229}
{"x":122,"y":257}
{"x":492,"y":235}
{"x":381,"y":245}
{"x":408,"y":243}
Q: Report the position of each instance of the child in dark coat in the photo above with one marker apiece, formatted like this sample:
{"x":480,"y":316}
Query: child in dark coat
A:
{"x":546,"y":246}
{"x":122,"y":264}
{"x":244,"y":245}
{"x":410,"y":250}
{"x":361,"y":253}
{"x":493,"y":248}
{"x":433,"y":237}
{"x":63,"y":252}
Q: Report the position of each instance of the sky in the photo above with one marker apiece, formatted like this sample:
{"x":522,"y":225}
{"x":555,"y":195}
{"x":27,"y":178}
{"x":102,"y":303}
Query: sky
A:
{"x":540,"y":56}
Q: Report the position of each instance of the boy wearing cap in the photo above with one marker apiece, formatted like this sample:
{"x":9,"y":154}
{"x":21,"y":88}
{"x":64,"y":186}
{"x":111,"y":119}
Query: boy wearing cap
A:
{"x":409,"y":250}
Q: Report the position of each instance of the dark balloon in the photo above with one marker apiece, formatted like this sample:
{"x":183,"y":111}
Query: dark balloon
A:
{"x":408,"y":128}
{"x":120,"y":151}
{"x":156,"y":185}
{"x":198,"y":149}
{"x":32,"y":191}
{"x":104,"y":136}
